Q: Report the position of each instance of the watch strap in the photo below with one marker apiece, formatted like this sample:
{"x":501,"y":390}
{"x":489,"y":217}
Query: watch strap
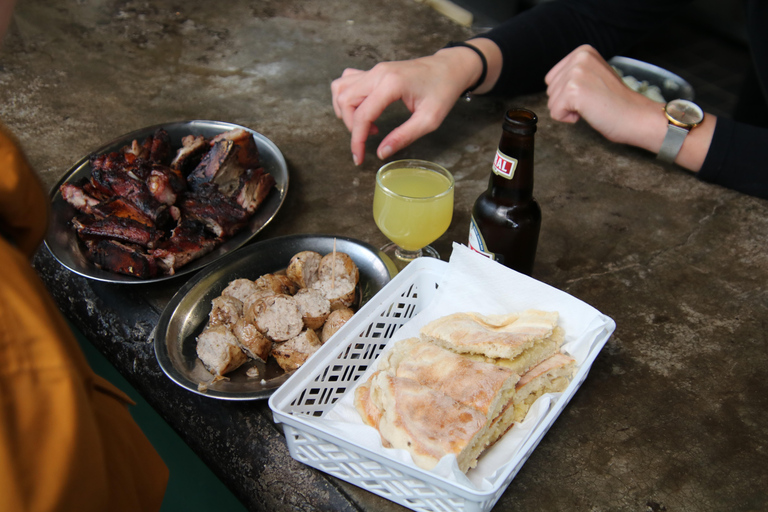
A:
{"x":672,"y":144}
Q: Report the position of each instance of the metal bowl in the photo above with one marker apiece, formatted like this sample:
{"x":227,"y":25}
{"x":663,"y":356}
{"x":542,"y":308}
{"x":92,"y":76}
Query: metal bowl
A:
{"x":186,"y":314}
{"x":671,"y":85}
{"x":63,"y":242}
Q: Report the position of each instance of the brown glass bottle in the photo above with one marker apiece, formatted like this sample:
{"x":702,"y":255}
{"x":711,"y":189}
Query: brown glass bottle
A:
{"x":506,"y":219}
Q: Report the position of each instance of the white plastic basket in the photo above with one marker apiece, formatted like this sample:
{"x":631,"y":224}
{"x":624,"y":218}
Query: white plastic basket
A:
{"x":314,"y":389}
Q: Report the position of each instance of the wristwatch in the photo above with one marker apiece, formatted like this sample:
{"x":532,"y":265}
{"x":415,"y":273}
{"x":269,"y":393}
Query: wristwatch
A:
{"x":683,"y":116}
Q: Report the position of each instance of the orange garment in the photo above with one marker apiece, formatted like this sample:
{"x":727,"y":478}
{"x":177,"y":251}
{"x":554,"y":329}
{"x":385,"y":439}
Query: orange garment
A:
{"x":67,"y":439}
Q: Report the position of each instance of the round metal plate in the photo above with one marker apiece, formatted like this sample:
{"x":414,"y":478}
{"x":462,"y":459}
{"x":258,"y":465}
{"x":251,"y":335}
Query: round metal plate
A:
{"x":671,"y":85}
{"x":62,"y":240}
{"x":186,"y":314}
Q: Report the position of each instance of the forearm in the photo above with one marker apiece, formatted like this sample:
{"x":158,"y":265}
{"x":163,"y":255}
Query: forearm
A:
{"x":532,"y":42}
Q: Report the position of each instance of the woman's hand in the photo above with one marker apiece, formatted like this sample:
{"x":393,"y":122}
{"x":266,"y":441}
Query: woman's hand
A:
{"x":584,"y":86}
{"x":428,"y":86}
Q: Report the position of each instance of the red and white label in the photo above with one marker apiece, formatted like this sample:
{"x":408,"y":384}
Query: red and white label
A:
{"x":504,"y":166}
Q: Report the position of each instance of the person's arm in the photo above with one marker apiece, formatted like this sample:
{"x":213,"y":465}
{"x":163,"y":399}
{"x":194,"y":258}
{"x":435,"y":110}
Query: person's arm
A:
{"x":737,"y":158}
{"x":23,"y":202}
{"x":428,"y":86}
{"x":584,"y":86}
{"x":519,"y":54}
{"x":535,"y":40}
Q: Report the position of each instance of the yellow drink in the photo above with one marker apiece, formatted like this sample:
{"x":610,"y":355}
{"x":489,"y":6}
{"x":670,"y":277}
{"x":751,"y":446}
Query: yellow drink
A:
{"x":413,"y":206}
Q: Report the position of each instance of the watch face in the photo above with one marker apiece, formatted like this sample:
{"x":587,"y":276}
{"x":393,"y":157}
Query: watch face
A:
{"x":684,"y":113}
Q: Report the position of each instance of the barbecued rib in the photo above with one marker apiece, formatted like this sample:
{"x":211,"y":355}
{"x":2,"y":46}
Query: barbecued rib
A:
{"x":254,"y":187}
{"x":155,"y":148}
{"x":193,"y":147}
{"x":165,"y":183}
{"x":122,"y":258}
{"x":188,"y":242}
{"x":77,"y":197}
{"x":219,"y":166}
{"x":218,"y":213}
{"x":119,"y":207}
{"x":118,"y":182}
{"x":122,"y":229}
{"x":248,"y":152}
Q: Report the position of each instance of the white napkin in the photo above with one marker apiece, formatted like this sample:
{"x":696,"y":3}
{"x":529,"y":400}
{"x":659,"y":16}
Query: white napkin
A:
{"x":476,"y":283}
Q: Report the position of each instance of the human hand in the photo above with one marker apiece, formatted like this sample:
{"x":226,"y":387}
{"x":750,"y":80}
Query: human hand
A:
{"x":584,"y":86}
{"x":428,"y":86}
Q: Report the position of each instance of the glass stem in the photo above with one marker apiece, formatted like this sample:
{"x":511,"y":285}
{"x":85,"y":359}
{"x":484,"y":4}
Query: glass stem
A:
{"x":407,"y":255}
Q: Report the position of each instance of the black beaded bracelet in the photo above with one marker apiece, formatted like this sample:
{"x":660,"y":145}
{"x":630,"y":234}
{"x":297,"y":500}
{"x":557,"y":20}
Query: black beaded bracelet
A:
{"x":454,"y":44}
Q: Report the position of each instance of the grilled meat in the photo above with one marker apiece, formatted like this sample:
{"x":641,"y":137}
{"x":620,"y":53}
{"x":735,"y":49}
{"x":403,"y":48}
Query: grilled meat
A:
{"x":220,"y":166}
{"x":122,"y":208}
{"x":146,"y":210}
{"x":121,"y":258}
{"x":77,"y":197}
{"x":116,"y":228}
{"x":254,"y":186}
{"x":192,"y":150}
{"x":155,"y":148}
{"x":218,"y":213}
{"x":247,"y":151}
{"x":189,"y":241}
{"x":166,"y":184}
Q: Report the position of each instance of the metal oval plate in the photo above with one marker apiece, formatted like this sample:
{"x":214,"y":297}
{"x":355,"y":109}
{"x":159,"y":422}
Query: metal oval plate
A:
{"x":671,"y":85}
{"x":186,"y":314}
{"x":62,"y":240}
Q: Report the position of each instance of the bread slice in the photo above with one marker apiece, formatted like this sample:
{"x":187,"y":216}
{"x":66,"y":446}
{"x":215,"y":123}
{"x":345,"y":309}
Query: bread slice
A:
{"x":426,"y":423}
{"x":550,"y":376}
{"x":495,"y":336}
{"x":483,"y":386}
{"x":538,"y":352}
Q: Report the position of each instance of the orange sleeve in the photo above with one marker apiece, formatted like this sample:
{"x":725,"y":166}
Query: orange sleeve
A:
{"x":67,"y":439}
{"x":23,"y":201}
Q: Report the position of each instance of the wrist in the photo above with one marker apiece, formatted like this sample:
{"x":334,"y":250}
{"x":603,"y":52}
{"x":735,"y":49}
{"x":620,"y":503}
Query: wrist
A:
{"x":483,"y":62}
{"x":468,"y":63}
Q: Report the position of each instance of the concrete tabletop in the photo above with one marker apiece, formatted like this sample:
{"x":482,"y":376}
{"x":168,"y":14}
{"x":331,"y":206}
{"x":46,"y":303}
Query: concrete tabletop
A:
{"x":673,"y":414}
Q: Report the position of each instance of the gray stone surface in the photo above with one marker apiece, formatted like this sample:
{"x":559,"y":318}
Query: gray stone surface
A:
{"x":673,"y":414}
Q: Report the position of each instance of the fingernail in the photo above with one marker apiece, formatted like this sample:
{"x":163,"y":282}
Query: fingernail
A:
{"x":354,"y":159}
{"x":385,"y":152}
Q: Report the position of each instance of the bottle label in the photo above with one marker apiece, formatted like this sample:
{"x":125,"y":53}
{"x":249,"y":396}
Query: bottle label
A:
{"x":476,"y":240}
{"x":504,"y":165}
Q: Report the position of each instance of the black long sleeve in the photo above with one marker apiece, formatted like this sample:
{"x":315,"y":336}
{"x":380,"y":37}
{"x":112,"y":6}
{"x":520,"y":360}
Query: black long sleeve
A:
{"x":537,"y":39}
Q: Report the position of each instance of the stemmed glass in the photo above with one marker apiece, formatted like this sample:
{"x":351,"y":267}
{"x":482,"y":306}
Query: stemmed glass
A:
{"x":413,"y":207}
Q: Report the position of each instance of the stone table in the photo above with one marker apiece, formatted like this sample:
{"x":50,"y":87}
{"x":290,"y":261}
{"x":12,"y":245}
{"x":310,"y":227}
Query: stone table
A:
{"x":673,"y":413}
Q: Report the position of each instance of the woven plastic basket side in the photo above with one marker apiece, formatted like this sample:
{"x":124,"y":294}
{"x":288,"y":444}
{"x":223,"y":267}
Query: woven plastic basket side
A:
{"x":382,"y":479}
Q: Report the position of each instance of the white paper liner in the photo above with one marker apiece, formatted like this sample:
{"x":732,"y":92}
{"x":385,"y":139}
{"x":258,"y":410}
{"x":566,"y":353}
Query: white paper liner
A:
{"x":478,"y":284}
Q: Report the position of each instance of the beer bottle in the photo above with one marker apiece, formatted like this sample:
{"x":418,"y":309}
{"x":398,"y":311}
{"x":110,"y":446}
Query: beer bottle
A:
{"x":506,"y":218}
